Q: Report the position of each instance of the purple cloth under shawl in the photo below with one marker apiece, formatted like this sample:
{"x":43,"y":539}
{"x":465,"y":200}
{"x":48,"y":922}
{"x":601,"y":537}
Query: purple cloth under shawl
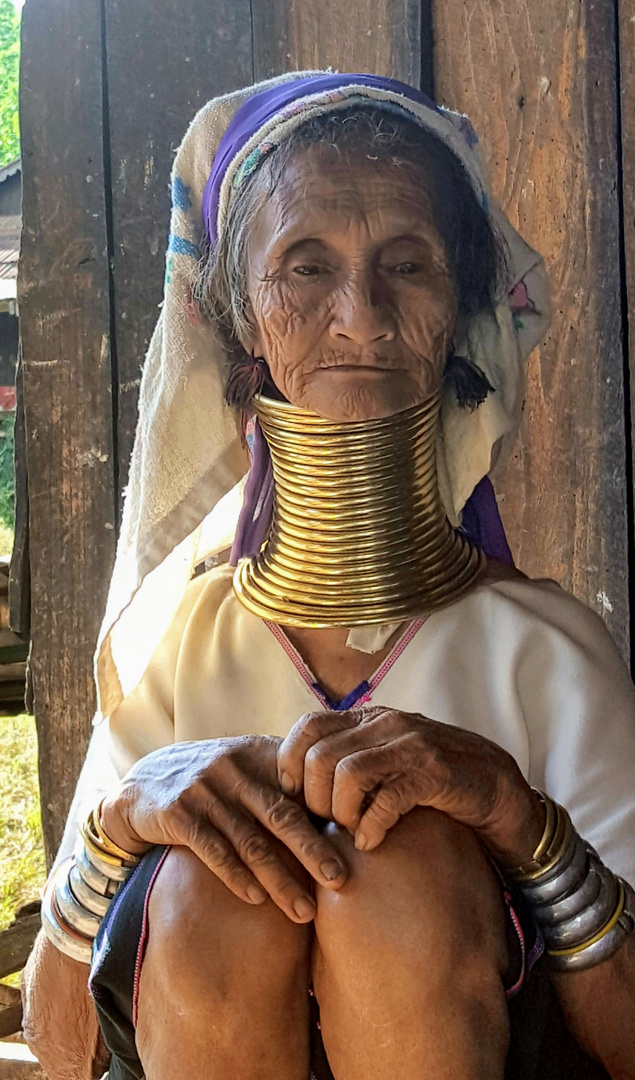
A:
{"x":481,"y":520}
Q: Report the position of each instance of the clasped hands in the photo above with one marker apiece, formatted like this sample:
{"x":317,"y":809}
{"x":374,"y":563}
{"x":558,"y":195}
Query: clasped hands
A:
{"x":241,"y":803}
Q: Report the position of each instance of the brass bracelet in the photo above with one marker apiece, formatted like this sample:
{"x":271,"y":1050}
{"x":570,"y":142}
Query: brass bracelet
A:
{"x":108,"y":852}
{"x":554,"y":851}
{"x":109,"y":845}
{"x":551,"y":821}
{"x":534,"y":864}
{"x":93,"y":845}
{"x":115,"y":870}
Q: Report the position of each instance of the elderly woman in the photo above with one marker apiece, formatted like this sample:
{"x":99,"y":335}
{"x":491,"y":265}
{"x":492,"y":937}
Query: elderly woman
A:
{"x":377,"y":807}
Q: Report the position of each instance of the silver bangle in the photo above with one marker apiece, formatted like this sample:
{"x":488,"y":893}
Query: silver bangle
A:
{"x":547,"y":915}
{"x":606,"y":946}
{"x":588,"y":922}
{"x":99,"y":883}
{"x":77,"y":917}
{"x":560,"y":882}
{"x":71,"y":946}
{"x":87,"y":897}
{"x":115,"y":873}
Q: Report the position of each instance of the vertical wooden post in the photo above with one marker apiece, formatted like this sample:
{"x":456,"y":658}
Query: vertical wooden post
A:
{"x":626,"y":71}
{"x":65,"y":334}
{"x":380,"y":36}
{"x":160,"y":70}
{"x":538,"y":80}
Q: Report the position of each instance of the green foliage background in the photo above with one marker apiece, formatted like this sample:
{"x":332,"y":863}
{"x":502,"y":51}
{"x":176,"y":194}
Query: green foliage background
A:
{"x":9,"y":82}
{"x":7,"y":483}
{"x":22,"y":870}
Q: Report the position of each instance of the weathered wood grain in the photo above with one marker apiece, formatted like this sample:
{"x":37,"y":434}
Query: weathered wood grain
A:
{"x":10,"y":1010}
{"x":539,"y":82}
{"x":626,"y":37}
{"x":380,"y":36}
{"x":16,"y":942}
{"x":19,"y":570}
{"x":13,"y":1067}
{"x":65,"y":324}
{"x":161,"y":70}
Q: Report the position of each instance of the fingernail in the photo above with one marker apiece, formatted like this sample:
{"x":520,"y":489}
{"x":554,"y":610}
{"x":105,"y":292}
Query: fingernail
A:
{"x":287,"y":783}
{"x":304,"y":907}
{"x":360,"y":841}
{"x":256,"y":895}
{"x":331,"y":869}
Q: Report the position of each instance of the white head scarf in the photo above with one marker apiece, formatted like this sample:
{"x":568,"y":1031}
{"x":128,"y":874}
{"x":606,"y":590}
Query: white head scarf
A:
{"x":188,"y":464}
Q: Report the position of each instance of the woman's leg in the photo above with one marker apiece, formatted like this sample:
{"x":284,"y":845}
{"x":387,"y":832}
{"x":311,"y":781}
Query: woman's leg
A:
{"x":224,"y":986}
{"x":409,"y":958}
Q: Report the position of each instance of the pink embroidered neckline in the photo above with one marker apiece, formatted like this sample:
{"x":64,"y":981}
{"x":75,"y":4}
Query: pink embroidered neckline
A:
{"x":366,"y":687}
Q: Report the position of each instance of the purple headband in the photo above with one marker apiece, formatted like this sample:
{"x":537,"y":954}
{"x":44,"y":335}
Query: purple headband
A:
{"x":261,"y":108}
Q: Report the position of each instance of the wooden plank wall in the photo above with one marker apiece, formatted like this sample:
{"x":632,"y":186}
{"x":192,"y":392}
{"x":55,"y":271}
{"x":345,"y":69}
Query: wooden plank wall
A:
{"x":153,"y":93}
{"x":65,"y":333}
{"x":107,"y":94}
{"x":626,"y":103}
{"x":539,"y":80}
{"x":381,"y":36}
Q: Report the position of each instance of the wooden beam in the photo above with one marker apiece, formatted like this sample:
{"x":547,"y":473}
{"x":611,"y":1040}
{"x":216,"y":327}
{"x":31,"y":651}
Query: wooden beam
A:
{"x":17,"y":940}
{"x":17,"y":1063}
{"x":10,"y":1010}
{"x":65,"y":331}
{"x":539,"y":82}
{"x":380,"y":36}
{"x":626,"y":37}
{"x":20,"y":571}
{"x":161,"y":70}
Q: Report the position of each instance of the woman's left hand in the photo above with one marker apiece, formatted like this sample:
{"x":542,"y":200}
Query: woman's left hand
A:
{"x":367,"y":767}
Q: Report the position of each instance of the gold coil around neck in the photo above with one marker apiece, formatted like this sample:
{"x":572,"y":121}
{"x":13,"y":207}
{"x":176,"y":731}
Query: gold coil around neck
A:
{"x":359,"y":533}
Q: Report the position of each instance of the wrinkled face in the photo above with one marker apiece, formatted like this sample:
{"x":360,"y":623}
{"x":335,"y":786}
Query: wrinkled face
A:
{"x":352,"y":295}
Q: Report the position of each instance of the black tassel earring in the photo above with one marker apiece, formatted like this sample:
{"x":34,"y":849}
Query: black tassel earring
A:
{"x":466,"y":380}
{"x":246,"y":378}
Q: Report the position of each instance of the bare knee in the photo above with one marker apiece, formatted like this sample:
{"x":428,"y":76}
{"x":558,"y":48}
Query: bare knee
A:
{"x":409,"y":956}
{"x":198,"y":926}
{"x":429,"y":871}
{"x":221,"y":981}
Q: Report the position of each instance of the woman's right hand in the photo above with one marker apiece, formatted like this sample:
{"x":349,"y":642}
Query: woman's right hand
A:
{"x":222,"y":799}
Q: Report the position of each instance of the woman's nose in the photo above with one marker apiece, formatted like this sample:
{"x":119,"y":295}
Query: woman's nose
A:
{"x":363,"y":314}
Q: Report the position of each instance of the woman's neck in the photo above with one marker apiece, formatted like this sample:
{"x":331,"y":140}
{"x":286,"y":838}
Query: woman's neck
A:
{"x":337,"y":668}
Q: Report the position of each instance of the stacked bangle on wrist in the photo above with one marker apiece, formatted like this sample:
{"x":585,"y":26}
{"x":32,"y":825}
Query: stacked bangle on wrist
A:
{"x":78,"y":893}
{"x":584,"y":911}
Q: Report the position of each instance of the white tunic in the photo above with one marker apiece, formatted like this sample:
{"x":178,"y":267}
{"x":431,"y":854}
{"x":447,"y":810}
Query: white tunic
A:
{"x":520,"y":662}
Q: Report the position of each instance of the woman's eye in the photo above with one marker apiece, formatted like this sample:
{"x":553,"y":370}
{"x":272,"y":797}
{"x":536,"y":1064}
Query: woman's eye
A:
{"x":309,"y":270}
{"x":407,"y":268}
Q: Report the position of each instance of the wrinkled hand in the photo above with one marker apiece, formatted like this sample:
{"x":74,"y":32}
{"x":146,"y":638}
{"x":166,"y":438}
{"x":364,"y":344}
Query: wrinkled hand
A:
{"x":367,"y":767}
{"x":222,"y":799}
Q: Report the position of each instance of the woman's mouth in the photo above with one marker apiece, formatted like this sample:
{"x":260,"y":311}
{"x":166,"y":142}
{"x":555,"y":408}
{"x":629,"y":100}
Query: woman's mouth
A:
{"x":360,"y":369}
